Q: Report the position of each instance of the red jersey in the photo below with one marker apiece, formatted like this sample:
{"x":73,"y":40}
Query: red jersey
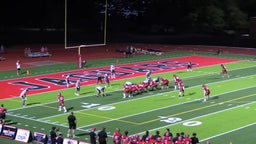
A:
{"x":176,"y":79}
{"x":187,"y":141}
{"x":125,"y":139}
{"x":153,"y":84}
{"x":127,"y":88}
{"x":164,"y":81}
{"x":206,"y":90}
{"x":133,"y":88}
{"x":181,"y":86}
{"x":117,"y":137}
{"x":224,"y":69}
{"x":61,"y":100}
{"x":139,"y":87}
{"x":145,"y":84}
{"x":2,"y":110}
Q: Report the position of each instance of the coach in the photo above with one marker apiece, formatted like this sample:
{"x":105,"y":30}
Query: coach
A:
{"x":72,"y":124}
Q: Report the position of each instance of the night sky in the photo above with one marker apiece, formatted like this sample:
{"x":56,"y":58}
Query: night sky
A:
{"x":85,"y":18}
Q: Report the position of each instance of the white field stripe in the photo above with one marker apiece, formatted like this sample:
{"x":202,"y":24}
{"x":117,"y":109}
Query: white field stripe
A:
{"x":237,"y":129}
{"x":120,"y":89}
{"x":44,"y":121}
{"x":197,"y":117}
{"x":80,"y":128}
{"x":161,"y":108}
{"x":148,"y":97}
{"x":210,"y":73}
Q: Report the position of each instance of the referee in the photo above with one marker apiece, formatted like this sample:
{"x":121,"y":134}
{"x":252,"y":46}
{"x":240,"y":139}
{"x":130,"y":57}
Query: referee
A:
{"x":72,"y":125}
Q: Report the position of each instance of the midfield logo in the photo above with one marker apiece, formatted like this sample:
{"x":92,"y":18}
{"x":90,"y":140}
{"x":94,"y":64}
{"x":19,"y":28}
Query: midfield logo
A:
{"x":42,"y":83}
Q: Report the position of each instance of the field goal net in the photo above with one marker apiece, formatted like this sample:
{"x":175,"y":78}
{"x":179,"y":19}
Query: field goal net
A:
{"x":85,"y":28}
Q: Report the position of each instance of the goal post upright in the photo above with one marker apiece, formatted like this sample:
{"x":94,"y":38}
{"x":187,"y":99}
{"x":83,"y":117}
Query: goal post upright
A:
{"x":105,"y":22}
{"x":79,"y":54}
{"x":79,"y":57}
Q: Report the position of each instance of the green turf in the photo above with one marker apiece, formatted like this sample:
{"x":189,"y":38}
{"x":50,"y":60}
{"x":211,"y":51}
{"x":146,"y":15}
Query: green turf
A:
{"x":224,"y":117}
{"x":9,"y":74}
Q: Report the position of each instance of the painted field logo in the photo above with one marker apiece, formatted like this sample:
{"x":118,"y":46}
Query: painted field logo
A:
{"x":192,"y":123}
{"x":170,"y":120}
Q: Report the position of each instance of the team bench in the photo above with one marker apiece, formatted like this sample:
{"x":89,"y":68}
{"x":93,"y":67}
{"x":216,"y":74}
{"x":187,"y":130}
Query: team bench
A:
{"x":38,"y":54}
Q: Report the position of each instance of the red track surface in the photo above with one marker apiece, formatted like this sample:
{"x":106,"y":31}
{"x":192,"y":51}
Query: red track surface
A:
{"x":15,"y":52}
{"x":13,"y":90}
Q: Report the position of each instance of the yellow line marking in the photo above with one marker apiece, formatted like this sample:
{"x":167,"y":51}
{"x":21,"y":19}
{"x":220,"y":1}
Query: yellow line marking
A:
{"x":173,"y":115}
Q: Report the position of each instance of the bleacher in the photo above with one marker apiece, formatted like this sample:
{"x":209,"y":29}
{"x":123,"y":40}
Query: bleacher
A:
{"x":2,"y":58}
{"x":38,"y":54}
{"x":32,"y":54}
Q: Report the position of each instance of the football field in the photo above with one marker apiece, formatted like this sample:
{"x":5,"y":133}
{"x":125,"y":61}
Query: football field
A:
{"x":228,"y":116}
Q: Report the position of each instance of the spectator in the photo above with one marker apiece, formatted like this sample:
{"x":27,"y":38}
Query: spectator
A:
{"x":176,"y":138}
{"x":194,"y":139}
{"x":2,"y":114}
{"x":145,"y":136}
{"x":93,"y":136}
{"x":168,"y":133}
{"x":157,"y":135}
{"x":42,"y":49}
{"x":72,"y":124}
{"x":2,"y":49}
{"x":53,"y":135}
{"x":59,"y":139}
{"x":102,"y":136}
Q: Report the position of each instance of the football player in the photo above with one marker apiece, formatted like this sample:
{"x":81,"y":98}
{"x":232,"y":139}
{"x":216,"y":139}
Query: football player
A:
{"x":60,"y":99}
{"x":148,"y":75}
{"x":23,"y":96}
{"x":164,"y":83}
{"x":189,"y":66}
{"x":127,"y":89}
{"x":112,"y":71}
{"x":77,"y":93}
{"x":224,"y":70}
{"x":99,"y":78}
{"x":181,"y":88}
{"x":206,"y":92}
{"x":67,"y":80}
{"x":176,"y":80}
{"x":106,"y":78}
{"x":100,"y":90}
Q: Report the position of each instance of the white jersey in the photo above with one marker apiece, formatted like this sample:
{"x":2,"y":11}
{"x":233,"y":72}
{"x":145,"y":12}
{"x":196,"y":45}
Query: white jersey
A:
{"x":18,"y":65}
{"x":156,"y":79}
{"x":128,"y":83}
{"x":23,"y":94}
{"x":78,"y":83}
{"x":100,"y":88}
{"x":112,"y":67}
